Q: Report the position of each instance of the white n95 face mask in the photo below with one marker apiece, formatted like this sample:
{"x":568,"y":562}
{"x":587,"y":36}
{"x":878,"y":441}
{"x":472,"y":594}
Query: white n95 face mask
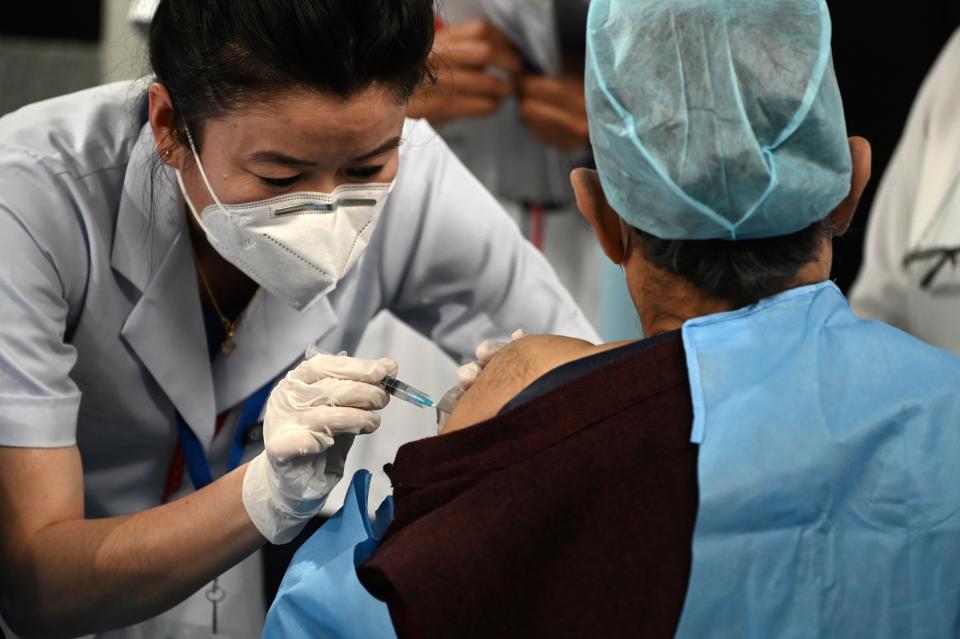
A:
{"x":297,"y":246}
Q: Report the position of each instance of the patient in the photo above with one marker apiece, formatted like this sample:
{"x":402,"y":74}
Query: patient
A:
{"x":762,"y":464}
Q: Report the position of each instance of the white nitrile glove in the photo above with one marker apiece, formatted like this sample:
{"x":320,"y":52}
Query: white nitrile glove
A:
{"x":311,"y":419}
{"x":468,"y":373}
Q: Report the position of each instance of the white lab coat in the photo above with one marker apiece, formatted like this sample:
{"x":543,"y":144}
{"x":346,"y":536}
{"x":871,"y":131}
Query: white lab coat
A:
{"x":102,"y":340}
{"x":918,"y":208}
{"x":141,"y":11}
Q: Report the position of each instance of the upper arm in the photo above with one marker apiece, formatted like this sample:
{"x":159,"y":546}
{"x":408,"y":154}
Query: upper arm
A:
{"x":514,"y":368}
{"x":41,"y":481}
{"x":42,"y":249}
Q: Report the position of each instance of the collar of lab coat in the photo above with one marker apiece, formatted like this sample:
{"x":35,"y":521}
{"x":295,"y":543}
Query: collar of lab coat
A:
{"x":152,"y":251}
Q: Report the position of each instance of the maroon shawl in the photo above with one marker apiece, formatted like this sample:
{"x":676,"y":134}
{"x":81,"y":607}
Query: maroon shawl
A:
{"x":568,"y":516}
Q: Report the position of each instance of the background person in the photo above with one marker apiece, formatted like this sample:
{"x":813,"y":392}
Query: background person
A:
{"x":911,"y":269}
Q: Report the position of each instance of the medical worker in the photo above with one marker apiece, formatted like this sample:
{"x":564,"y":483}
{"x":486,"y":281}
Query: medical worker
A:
{"x":170,"y":249}
{"x":911,"y":270}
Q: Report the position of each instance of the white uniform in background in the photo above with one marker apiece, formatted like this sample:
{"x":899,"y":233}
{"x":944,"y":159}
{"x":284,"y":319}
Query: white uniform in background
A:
{"x":514,"y":165}
{"x":141,"y":11}
{"x":911,"y":270}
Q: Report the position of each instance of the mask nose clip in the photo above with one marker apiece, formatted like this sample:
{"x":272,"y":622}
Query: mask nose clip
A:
{"x":314,"y":207}
{"x":308,"y":206}
{"x":357,"y":202}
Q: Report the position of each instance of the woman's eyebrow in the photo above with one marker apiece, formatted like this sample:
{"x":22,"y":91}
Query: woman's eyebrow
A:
{"x":275,"y":157}
{"x":392,"y":143}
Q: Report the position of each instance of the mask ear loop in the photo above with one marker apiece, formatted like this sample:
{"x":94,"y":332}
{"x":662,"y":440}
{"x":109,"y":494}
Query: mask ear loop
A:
{"x":186,"y":198}
{"x":203,"y":174}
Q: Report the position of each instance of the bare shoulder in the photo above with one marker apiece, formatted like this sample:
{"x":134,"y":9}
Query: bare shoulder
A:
{"x":514,"y":368}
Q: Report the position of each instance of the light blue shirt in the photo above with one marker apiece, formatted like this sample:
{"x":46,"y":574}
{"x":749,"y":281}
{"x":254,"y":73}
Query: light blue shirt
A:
{"x":101,"y":335}
{"x":321,"y":596}
{"x":828,"y":472}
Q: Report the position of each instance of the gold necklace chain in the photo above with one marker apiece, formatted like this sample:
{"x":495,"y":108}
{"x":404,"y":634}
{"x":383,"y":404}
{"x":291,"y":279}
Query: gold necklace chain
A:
{"x":229,"y":345}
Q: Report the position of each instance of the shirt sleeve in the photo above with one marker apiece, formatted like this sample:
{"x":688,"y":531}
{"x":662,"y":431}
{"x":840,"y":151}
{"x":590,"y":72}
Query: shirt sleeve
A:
{"x":38,"y":400}
{"x":468,"y":273}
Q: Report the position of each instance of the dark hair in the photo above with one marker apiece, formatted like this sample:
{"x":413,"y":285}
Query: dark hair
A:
{"x":214,"y":56}
{"x":740,"y":272}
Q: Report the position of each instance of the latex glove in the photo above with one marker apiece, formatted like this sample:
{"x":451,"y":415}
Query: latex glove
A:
{"x":555,"y":111}
{"x":310,"y":421}
{"x":474,"y":63}
{"x":467,"y":374}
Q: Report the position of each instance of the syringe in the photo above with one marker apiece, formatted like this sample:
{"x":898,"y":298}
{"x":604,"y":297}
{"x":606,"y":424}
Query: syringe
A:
{"x":392,"y":385}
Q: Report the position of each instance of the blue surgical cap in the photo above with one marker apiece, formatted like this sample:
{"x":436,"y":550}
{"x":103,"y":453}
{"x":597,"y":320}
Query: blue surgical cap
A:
{"x":716,"y":119}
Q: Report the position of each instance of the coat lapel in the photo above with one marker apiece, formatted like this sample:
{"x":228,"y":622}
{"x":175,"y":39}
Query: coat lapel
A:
{"x":152,"y":251}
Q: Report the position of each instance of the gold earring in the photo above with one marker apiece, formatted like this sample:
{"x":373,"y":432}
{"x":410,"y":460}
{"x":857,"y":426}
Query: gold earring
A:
{"x":166,"y":154}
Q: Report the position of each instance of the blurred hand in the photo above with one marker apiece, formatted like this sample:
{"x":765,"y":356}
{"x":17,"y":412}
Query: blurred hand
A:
{"x":555,"y":110}
{"x":475,"y":65}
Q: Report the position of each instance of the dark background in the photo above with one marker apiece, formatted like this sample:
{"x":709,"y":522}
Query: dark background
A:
{"x":882,"y":52}
{"x":66,"y":20}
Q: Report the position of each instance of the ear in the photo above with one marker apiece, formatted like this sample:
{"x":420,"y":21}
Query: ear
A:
{"x":162,"y":123}
{"x":593,"y":204}
{"x":862,"y":156}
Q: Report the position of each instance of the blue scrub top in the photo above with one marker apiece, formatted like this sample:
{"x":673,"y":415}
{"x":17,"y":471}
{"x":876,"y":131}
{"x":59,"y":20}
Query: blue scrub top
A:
{"x":320,"y":596}
{"x":828,"y":474}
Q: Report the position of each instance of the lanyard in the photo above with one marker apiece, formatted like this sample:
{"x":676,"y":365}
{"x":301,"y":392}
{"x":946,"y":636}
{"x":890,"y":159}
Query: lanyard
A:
{"x":196,"y":459}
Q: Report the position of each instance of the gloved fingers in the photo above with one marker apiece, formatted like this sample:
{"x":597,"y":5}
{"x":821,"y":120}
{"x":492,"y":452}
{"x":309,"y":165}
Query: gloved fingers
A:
{"x":356,"y":394}
{"x":293,"y":444}
{"x":488,"y":349}
{"x":336,"y":420}
{"x":340,"y":392}
{"x":340,"y":367}
{"x":390,"y":365}
{"x":467,"y":375}
{"x":491,"y":347}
